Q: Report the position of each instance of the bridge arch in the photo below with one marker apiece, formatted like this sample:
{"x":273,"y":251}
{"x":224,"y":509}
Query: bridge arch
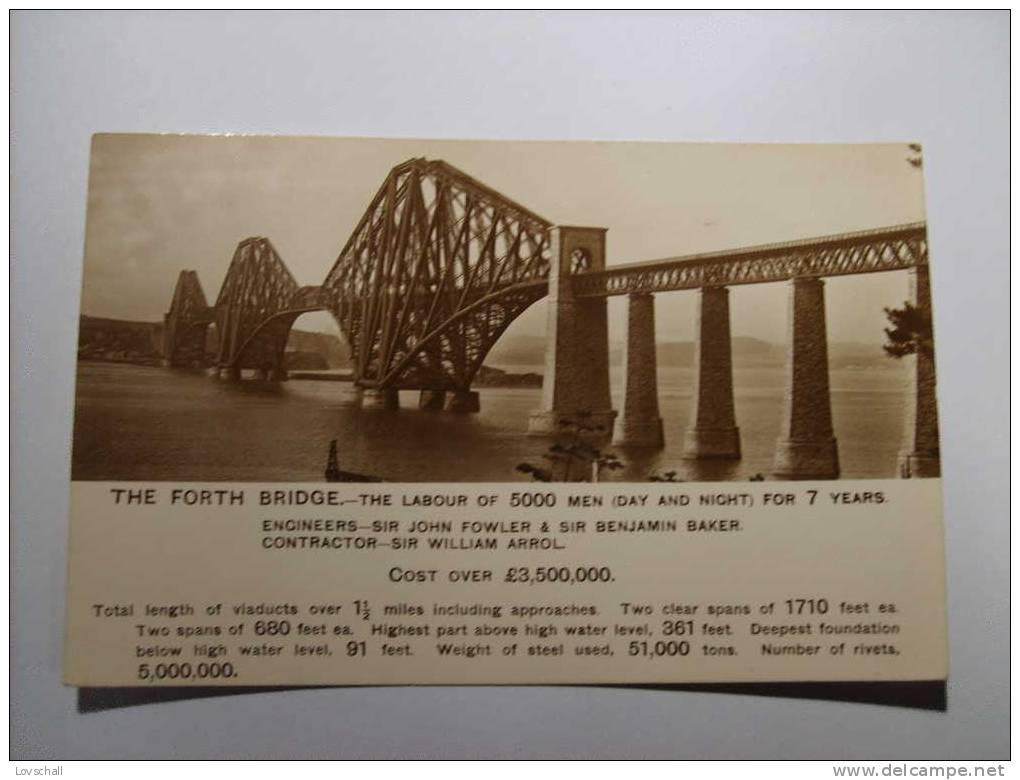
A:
{"x":265,"y":348}
{"x":489,"y":317}
{"x":256,"y":308}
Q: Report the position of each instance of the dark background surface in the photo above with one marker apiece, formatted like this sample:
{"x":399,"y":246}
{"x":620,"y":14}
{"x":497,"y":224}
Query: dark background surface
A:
{"x":920,"y":695}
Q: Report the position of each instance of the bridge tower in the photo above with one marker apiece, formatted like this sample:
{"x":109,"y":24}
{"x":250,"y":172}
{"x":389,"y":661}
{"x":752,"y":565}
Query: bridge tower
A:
{"x":437,"y":269}
{"x":186,"y":323}
{"x":575,"y":388}
{"x":255,"y":309}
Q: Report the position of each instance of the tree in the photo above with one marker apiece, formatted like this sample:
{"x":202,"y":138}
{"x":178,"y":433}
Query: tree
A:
{"x":575,"y":458}
{"x":911,"y":332}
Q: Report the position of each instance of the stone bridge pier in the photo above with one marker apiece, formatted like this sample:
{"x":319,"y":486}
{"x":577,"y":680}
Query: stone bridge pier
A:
{"x":388,"y":398}
{"x":807,"y":447}
{"x":380,"y":398}
{"x":920,"y":454}
{"x":713,"y":431}
{"x":459,"y":401}
{"x":641,"y":425}
{"x":575,"y":387}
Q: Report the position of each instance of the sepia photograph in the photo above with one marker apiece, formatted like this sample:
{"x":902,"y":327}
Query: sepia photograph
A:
{"x":259,"y":308}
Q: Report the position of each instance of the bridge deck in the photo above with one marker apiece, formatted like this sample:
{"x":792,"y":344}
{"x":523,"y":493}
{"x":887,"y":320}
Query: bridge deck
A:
{"x":886,"y":249}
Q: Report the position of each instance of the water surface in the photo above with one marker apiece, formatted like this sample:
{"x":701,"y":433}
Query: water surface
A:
{"x":146,"y":423}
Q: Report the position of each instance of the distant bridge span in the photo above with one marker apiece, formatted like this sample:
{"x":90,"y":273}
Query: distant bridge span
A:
{"x":441,"y":264}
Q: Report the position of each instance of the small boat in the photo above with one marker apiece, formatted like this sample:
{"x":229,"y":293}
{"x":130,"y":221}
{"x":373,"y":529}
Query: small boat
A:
{"x":335,"y":474}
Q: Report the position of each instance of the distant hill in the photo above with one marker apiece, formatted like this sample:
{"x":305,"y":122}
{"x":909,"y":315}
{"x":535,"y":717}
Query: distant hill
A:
{"x":680,"y":354}
{"x":853,"y":354}
{"x":129,"y":341}
{"x":101,"y":338}
{"x":530,"y":351}
{"x":518,"y":351}
{"x":527,"y":350}
{"x":331,"y":348}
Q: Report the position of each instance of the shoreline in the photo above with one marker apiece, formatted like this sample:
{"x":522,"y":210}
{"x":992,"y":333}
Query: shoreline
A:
{"x":487,"y":376}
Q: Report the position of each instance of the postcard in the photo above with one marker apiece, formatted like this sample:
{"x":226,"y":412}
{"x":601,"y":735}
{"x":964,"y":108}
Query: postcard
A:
{"x":400,"y":411}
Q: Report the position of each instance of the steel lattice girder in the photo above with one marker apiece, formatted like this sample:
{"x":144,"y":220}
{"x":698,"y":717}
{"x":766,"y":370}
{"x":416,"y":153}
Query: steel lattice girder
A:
{"x":184,"y":325}
{"x":257,"y":305}
{"x":440,"y":265}
{"x":887,"y":249}
{"x":435,"y":271}
{"x":189,"y":302}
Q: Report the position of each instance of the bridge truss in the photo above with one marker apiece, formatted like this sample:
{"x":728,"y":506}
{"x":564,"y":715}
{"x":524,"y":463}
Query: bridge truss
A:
{"x":186,"y":323}
{"x":256,"y":307}
{"x":436,"y":270}
{"x":870,"y":251}
{"x":439,"y":266}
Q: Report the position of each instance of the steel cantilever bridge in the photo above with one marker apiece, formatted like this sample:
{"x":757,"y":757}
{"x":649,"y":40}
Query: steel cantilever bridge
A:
{"x":441,"y":264}
{"x":435,"y":271}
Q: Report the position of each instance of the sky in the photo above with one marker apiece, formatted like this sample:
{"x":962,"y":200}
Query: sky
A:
{"x":158,"y":204}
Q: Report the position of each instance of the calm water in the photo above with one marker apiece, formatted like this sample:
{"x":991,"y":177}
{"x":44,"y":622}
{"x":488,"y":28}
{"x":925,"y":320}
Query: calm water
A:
{"x":137,"y":422}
